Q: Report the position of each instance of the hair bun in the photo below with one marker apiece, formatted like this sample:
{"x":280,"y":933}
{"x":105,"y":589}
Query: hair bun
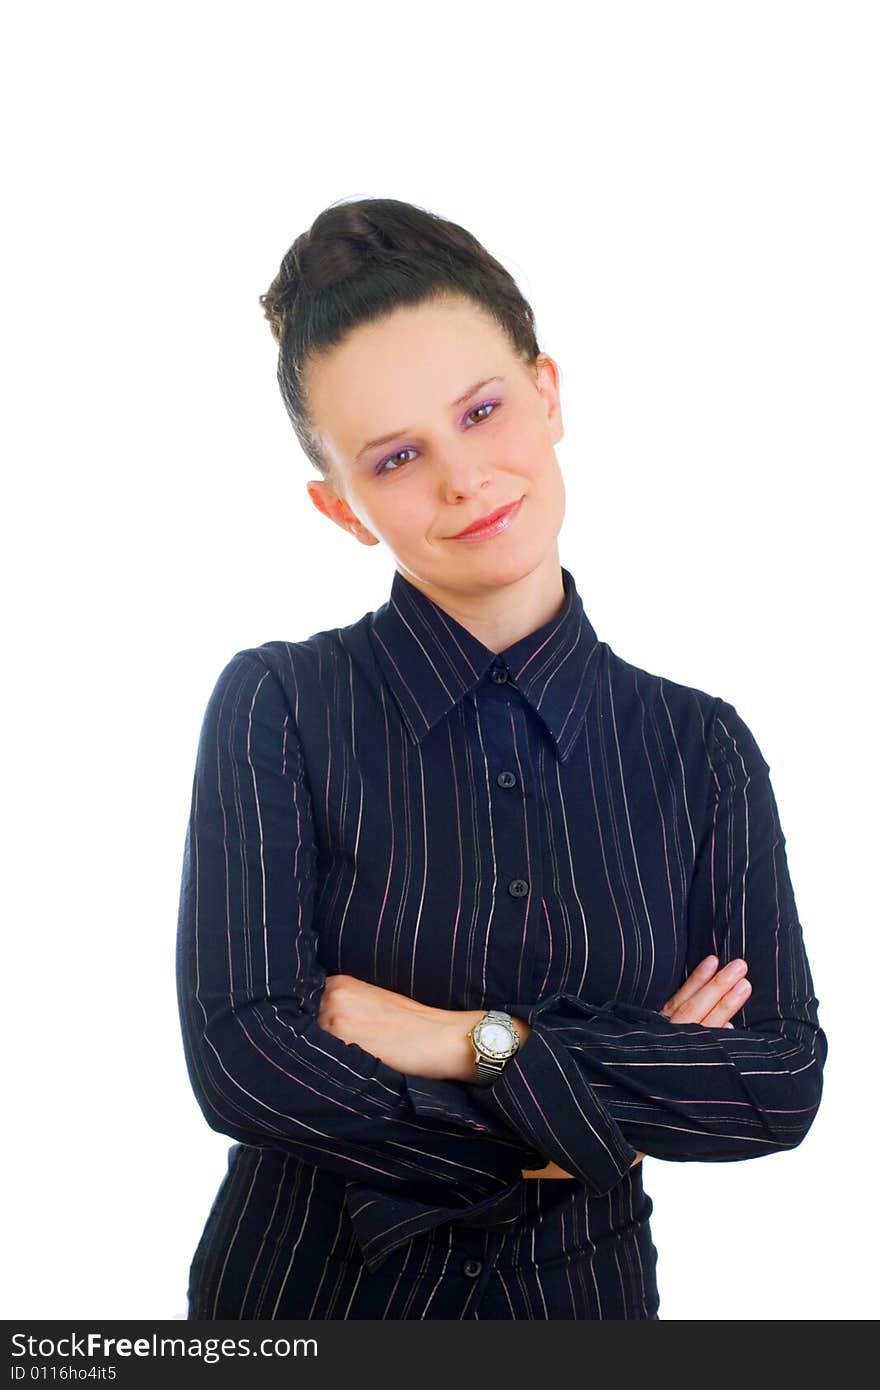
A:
{"x":346,"y":240}
{"x":285,"y":289}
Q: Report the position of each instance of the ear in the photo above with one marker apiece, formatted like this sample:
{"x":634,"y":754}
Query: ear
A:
{"x":328,"y":501}
{"x":547,"y":382}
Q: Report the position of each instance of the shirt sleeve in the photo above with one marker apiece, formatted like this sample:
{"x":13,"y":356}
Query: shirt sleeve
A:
{"x":249,"y":984}
{"x":684,"y":1091}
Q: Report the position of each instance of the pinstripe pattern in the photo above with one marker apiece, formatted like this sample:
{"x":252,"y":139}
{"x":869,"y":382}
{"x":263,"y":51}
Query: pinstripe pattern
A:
{"x":347,"y":817}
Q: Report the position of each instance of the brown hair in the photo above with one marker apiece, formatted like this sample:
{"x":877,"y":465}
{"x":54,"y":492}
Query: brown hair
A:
{"x":360,"y":260}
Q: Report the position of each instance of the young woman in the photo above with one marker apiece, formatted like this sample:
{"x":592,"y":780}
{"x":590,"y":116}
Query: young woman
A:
{"x":468,"y":901}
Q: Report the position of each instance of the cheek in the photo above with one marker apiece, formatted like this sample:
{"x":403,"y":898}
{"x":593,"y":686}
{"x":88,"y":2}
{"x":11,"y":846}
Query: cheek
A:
{"x":383,"y":512}
{"x":527,"y":445}
{"x":405,"y":515}
{"x":533,"y":459}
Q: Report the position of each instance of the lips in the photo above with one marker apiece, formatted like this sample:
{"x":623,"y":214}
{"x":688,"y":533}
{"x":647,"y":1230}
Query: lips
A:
{"x":486,"y":522}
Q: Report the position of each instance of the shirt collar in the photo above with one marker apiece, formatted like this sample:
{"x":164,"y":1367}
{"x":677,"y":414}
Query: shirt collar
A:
{"x":430,"y":661}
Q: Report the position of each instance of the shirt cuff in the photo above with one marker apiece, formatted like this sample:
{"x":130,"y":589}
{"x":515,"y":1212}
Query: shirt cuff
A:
{"x":383,"y":1221}
{"x":456,"y":1102}
{"x":543,"y":1096}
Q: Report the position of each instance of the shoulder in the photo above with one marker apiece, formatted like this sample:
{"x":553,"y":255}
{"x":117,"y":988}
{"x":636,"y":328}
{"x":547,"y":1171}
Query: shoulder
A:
{"x":314,"y":662}
{"x":653,"y":690}
{"x":300,"y":673}
{"x":716,"y":720}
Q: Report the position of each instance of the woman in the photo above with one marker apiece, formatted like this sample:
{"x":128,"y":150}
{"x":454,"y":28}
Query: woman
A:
{"x":468,"y":901}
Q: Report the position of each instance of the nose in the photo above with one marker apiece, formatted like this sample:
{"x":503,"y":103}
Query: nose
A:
{"x":461,"y":475}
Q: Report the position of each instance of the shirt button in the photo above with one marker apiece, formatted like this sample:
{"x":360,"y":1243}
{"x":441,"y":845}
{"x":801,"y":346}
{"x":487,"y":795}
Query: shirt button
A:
{"x":506,"y":779}
{"x":472,"y":1267}
{"x":518,"y":887}
{"x":498,"y":674}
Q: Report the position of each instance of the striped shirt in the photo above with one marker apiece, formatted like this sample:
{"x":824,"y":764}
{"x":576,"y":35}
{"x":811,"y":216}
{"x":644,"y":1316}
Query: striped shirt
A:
{"x":548,"y":830}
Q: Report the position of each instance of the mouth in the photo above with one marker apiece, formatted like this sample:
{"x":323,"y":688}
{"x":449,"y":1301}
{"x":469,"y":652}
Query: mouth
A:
{"x":490,"y":524}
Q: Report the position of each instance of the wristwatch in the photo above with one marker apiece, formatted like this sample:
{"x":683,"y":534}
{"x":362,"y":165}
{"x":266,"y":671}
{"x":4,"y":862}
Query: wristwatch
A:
{"x":495,"y":1040}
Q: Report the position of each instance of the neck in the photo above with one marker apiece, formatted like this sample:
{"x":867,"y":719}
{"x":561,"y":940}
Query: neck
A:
{"x":505,"y":613}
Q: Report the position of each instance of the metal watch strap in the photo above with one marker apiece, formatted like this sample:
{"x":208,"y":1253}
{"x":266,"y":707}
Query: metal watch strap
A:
{"x":487,"y":1071}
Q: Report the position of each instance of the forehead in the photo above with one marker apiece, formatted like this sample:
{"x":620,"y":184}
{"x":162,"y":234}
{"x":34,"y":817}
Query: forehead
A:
{"x":418,"y":356}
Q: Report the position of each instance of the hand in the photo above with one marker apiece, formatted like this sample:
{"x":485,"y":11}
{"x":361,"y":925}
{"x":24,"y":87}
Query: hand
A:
{"x":705,"y":997}
{"x":708,"y":997}
{"x":404,"y":1034}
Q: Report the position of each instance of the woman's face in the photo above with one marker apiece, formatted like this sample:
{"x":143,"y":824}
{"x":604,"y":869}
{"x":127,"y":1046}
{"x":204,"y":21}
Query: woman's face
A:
{"x":446,"y":458}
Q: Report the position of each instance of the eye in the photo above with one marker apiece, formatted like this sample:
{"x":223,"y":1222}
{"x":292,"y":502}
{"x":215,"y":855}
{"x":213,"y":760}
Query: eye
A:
{"x":487,"y":405}
{"x":380,"y":468}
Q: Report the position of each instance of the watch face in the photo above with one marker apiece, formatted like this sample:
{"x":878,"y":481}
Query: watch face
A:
{"x":494,"y":1039}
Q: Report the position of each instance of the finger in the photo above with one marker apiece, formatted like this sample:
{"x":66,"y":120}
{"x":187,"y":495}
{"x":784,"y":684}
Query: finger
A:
{"x":699,"y":1004}
{"x":703,"y":972}
{"x":728,"y":1006}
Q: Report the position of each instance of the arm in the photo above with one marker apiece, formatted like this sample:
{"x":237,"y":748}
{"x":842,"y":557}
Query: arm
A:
{"x":250,"y":984}
{"x":685,"y":1091}
{"x":433,"y":1044}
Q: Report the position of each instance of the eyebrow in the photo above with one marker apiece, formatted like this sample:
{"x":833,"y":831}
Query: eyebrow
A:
{"x":459,"y":400}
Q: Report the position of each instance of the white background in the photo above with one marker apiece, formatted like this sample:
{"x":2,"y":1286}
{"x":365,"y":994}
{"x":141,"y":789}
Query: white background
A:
{"x":687,"y":195}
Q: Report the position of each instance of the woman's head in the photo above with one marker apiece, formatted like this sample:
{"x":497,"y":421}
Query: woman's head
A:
{"x":410,"y":370}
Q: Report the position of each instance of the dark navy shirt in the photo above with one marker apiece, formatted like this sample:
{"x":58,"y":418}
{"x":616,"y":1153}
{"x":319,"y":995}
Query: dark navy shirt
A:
{"x":548,"y":830}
